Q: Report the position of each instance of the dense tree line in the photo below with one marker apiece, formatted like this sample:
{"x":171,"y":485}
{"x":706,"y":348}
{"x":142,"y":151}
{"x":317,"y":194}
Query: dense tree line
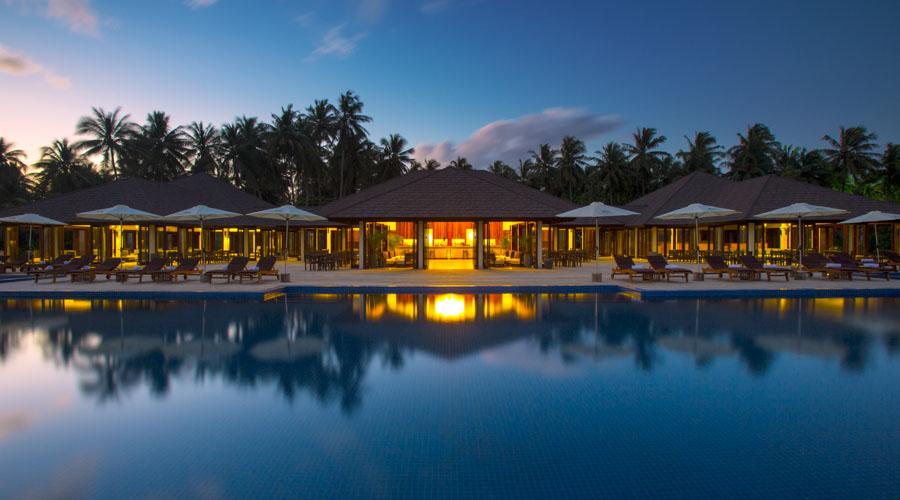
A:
{"x":324,"y":152}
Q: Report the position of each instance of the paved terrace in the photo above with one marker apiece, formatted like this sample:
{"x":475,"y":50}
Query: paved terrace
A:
{"x":512,"y":279}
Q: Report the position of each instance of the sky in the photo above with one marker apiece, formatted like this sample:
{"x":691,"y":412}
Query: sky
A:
{"x":478,"y":78}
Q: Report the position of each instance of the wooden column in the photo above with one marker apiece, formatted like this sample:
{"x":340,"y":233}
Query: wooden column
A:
{"x":420,"y":244}
{"x":539,"y":237}
{"x":751,"y":238}
{"x":479,"y":244}
{"x":362,"y":245}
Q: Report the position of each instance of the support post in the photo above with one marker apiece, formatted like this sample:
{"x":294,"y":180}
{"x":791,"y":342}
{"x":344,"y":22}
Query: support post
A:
{"x":420,"y":244}
{"x":302,"y":244}
{"x":539,"y":238}
{"x":362,"y":245}
{"x":151,"y":240}
{"x":751,"y":238}
{"x":479,"y":244}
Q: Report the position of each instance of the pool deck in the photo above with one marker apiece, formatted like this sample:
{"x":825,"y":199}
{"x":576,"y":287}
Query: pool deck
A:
{"x":559,"y":280}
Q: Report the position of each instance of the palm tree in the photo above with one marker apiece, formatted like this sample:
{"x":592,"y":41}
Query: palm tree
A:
{"x":14,"y":184}
{"x":646,"y":158}
{"x":570,"y":167}
{"x":802,"y":165}
{"x":63,"y":169}
{"x":612,"y":175}
{"x":752,"y":155}
{"x":541,"y":169}
{"x":890,"y":164}
{"x":503,"y":170}
{"x":395,"y":156}
{"x":157,"y":151}
{"x":204,"y":148}
{"x":460,"y":163}
{"x":287,"y":146}
{"x":432,"y":164}
{"x":702,"y":155}
{"x":109,"y":134}
{"x":852,"y":154}
{"x":251,"y":166}
{"x":350,"y":130}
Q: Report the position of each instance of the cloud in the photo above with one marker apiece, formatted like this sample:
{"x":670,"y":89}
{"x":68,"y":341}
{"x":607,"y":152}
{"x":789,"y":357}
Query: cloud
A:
{"x":434,"y":6}
{"x":199,"y":4}
{"x":372,"y":10}
{"x":15,"y":64}
{"x":79,"y":15}
{"x":305,"y":19}
{"x":334,"y":43}
{"x":510,"y":140}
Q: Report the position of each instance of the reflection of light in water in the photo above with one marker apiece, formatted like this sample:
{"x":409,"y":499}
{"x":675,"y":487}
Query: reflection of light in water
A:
{"x":73,"y":305}
{"x":450,"y":307}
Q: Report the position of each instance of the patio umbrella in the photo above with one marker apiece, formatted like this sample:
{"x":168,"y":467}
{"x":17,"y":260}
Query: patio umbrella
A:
{"x":119,"y":213}
{"x":696,"y":211}
{"x":287,"y":213}
{"x":201,"y":213}
{"x":873,"y":216}
{"x":31,"y":220}
{"x":596,"y":211}
{"x":799,"y":211}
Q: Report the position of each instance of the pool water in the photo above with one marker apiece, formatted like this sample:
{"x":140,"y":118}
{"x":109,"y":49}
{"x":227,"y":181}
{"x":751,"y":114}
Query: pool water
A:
{"x":499,"y":395}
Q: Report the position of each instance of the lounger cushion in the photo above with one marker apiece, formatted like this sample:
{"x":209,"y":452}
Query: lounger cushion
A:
{"x":833,"y":265}
{"x":871,"y":265}
{"x":735,"y":266}
{"x":674,"y":267}
{"x":253,"y":269}
{"x":640,"y":266}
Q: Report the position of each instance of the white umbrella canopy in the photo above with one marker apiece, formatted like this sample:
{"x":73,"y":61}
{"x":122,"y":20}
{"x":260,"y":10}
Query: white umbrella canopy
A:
{"x":287,"y":213}
{"x":32,"y":220}
{"x":596,"y":211}
{"x":871,"y":217}
{"x":119,"y":213}
{"x":201,"y":213}
{"x":696,"y":211}
{"x":799,"y":211}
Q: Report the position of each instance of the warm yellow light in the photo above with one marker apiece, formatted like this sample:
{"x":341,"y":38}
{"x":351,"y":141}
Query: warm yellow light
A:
{"x":72,"y":305}
{"x":450,"y":307}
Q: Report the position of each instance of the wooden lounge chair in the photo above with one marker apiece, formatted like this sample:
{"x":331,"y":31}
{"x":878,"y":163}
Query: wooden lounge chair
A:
{"x":150,"y":269}
{"x":890,"y":259}
{"x":715,"y":264}
{"x":848,"y":264}
{"x":264,"y":267}
{"x":625,"y":266}
{"x":752,"y":263}
{"x":662,"y":267}
{"x":817,"y":263}
{"x":186,"y":267}
{"x":108,"y":268}
{"x":232,"y":270}
{"x":13,"y":264}
{"x":28,"y":267}
{"x":63,"y":270}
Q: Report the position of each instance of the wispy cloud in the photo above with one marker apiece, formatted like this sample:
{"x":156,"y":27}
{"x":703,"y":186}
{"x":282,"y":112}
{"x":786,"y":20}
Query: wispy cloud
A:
{"x":305,"y":19}
{"x":334,"y":43}
{"x":434,"y":6}
{"x":372,"y":11}
{"x":510,"y":140}
{"x":199,"y":4}
{"x":78,"y":15}
{"x":16,"y":64}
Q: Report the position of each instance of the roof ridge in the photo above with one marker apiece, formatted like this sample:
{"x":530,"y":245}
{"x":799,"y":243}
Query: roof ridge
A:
{"x":684,"y":181}
{"x":426,"y":174}
{"x":492,"y":176}
{"x":759,"y":192}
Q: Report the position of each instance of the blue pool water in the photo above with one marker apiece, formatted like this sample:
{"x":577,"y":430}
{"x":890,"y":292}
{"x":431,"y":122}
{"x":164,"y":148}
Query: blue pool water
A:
{"x":469,"y":396}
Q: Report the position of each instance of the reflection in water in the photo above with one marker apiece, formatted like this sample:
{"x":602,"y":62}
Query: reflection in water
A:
{"x":323,"y":345}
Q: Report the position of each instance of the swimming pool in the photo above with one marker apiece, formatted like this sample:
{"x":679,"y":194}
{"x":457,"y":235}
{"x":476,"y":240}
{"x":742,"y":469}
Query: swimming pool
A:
{"x":499,"y":395}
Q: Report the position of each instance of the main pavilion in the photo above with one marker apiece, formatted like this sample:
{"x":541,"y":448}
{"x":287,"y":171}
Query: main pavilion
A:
{"x":446,"y":219}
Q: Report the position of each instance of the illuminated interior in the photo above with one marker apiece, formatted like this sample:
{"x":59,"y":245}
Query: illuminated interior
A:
{"x":450,"y":245}
{"x":448,"y":308}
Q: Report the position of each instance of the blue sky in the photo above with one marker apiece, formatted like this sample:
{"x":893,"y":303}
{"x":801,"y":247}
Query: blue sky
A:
{"x":482,"y":78}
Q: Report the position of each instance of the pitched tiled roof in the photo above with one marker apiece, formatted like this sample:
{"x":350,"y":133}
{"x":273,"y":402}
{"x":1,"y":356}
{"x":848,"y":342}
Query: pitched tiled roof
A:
{"x":749,"y":198}
{"x":447,"y":194}
{"x":156,"y":197}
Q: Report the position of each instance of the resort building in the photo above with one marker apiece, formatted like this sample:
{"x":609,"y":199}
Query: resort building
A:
{"x":447,"y":219}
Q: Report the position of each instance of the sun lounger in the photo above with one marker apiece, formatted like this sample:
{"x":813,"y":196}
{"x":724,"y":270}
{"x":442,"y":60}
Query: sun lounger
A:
{"x":29,"y":267}
{"x":232,"y":270}
{"x":13,"y":264}
{"x":848,"y":264}
{"x":662,"y":267}
{"x":264,"y":267}
{"x":108,"y":268}
{"x":891,"y":259}
{"x":751,"y":262}
{"x":63,"y":270}
{"x":626,"y":267}
{"x":817,"y":263}
{"x":150,"y":269}
{"x":186,"y":267}
{"x":715,"y":264}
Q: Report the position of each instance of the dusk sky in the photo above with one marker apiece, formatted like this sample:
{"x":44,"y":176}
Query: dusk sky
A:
{"x":484,"y":79}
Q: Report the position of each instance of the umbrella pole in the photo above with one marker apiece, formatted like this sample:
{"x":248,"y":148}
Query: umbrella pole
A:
{"x":596,"y":244}
{"x":30,"y":251}
{"x":286,"y":224}
{"x":800,"y":240}
{"x":877,"y":253}
{"x":202,"y":257}
{"x":121,"y":240}
{"x":697,"y":241}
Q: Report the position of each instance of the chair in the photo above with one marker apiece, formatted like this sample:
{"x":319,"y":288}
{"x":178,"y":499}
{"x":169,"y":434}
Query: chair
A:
{"x":264,"y":267}
{"x":186,"y":267}
{"x":847,"y":263}
{"x":230,"y":271}
{"x":891,"y":259}
{"x":152,"y":267}
{"x":817,"y":263}
{"x":626,"y":267}
{"x":13,"y":264}
{"x":750,"y":262}
{"x":715,"y":264}
{"x":28,"y":267}
{"x":662,"y":267}
{"x":60,"y":271}
{"x":108,"y":267}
